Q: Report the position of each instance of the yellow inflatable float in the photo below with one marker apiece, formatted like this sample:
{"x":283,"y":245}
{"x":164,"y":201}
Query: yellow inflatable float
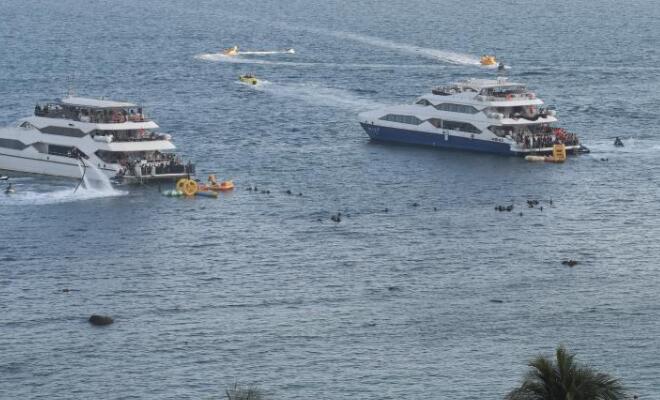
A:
{"x":232,"y":51}
{"x":488,"y":60}
{"x":558,"y":155}
{"x":213,"y":185}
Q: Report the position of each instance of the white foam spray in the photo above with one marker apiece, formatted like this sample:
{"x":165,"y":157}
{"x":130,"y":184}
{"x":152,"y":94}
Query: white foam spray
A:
{"x":28,"y":192}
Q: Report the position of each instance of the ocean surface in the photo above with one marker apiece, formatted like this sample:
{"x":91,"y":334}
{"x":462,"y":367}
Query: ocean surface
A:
{"x":444,"y":300}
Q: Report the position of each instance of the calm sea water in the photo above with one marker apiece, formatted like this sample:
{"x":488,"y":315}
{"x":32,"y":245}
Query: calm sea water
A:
{"x":264,"y":288}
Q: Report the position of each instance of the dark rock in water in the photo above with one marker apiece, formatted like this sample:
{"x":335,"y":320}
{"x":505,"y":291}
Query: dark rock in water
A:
{"x":570,"y":263}
{"x":498,"y":301}
{"x":100,"y":320}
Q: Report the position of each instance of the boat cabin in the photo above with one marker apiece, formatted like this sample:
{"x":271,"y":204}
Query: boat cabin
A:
{"x":91,"y":110}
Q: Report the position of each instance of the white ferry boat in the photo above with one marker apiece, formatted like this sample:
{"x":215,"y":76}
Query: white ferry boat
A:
{"x":64,"y":137}
{"x":494,"y":116}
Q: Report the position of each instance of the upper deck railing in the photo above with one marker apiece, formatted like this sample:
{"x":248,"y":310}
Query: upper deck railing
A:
{"x":98,"y":116}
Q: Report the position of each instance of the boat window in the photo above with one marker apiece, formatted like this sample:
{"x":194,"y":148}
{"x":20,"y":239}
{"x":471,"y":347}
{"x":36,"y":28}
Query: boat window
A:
{"x":501,"y":131}
{"x":58,"y":130}
{"x":26,"y":125}
{"x":66,"y":151}
{"x":435,"y":122}
{"x":460,"y":126}
{"x":454,"y":125}
{"x":424,"y":102}
{"x":12,"y":144}
{"x":404,"y":119}
{"x":460,"y":108}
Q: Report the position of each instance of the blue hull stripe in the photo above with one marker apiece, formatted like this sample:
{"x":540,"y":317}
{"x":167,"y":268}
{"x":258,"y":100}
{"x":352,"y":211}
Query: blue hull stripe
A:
{"x":435,"y":140}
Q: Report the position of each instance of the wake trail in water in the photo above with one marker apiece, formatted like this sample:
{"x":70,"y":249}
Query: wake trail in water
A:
{"x":434,"y":54}
{"x":222,"y":58}
{"x":267,"y":52}
{"x":319,"y":95}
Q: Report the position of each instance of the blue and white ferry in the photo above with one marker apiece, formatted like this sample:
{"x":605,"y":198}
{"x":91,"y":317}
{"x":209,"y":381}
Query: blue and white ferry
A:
{"x":486,"y":115}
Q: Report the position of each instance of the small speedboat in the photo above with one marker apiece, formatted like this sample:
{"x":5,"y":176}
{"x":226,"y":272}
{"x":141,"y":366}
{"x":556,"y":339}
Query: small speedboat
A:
{"x":488,"y":60}
{"x":249,"y":79}
{"x":232,"y":51}
{"x":290,"y":51}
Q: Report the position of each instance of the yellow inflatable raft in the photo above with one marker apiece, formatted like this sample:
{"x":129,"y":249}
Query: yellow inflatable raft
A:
{"x":488,"y":60}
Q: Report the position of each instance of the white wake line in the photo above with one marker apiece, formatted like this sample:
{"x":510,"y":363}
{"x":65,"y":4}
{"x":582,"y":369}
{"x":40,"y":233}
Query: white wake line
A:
{"x":318,"y":95}
{"x":266,"y":52}
{"x":434,"y":54}
{"x":221,"y":58}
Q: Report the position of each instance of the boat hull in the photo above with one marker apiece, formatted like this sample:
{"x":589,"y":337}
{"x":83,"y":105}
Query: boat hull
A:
{"x":51,"y":166}
{"x":412,"y":137}
{"x":67,"y":167}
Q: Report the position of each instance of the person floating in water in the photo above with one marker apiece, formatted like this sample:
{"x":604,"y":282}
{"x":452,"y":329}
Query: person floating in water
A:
{"x":618,"y":142}
{"x":10,"y":189}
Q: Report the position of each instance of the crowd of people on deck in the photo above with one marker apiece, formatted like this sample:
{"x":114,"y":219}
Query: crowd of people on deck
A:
{"x":159,"y":164}
{"x":90,"y":115}
{"x":546,"y":138}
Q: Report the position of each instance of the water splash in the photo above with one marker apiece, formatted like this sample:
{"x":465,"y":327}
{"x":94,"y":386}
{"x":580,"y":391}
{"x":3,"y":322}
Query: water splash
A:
{"x":37,"y":191}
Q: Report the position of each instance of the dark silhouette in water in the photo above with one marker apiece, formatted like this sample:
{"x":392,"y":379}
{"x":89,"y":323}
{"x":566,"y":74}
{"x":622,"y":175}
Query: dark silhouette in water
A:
{"x":618,"y":142}
{"x":570,"y":263}
{"x":100,"y":320}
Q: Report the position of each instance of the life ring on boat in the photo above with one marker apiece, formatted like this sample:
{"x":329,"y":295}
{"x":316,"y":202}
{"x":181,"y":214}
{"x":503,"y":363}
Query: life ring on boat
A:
{"x":509,"y":97}
{"x":190,"y":188}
